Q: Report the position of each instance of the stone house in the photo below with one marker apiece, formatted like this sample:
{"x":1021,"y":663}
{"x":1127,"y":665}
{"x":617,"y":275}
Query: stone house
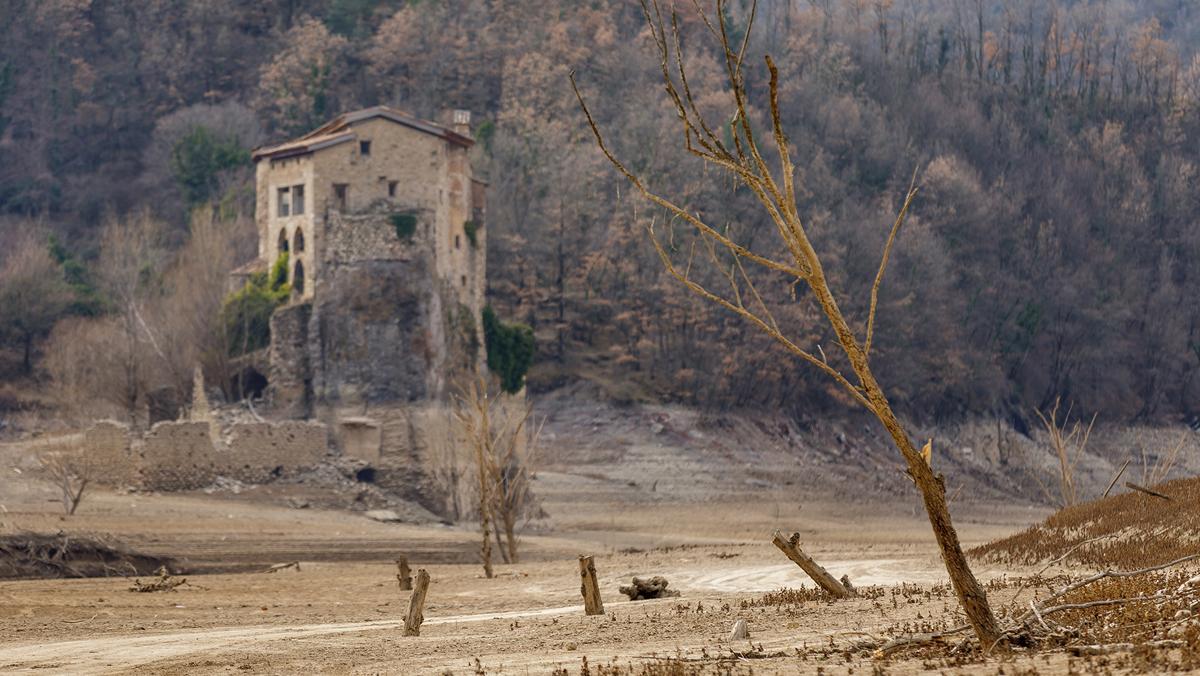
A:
{"x":383,"y":223}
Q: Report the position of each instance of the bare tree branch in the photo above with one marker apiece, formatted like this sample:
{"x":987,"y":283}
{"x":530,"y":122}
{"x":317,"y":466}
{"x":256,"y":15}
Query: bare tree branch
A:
{"x":887,"y":252}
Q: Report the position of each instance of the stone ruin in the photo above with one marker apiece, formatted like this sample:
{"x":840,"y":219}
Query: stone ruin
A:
{"x":183,"y":455}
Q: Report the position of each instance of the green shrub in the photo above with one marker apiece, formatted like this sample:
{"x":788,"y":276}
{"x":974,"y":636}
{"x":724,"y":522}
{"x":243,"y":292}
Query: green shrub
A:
{"x":472,"y":230}
{"x":509,"y":350}
{"x":198,"y":159}
{"x":247,"y":311}
{"x":405,"y":224}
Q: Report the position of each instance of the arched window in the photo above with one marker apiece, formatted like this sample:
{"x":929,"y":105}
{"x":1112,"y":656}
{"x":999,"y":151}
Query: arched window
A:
{"x":298,"y":278}
{"x":283,"y":241}
{"x":298,"y":240}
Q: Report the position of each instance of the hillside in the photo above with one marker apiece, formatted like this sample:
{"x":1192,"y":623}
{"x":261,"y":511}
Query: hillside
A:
{"x":1048,"y":253}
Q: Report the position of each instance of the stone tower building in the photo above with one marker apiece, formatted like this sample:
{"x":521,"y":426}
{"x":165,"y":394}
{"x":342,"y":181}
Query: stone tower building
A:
{"x":383,"y":225}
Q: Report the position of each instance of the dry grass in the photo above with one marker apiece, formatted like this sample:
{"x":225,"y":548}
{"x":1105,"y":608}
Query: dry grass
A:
{"x":1131,"y":530}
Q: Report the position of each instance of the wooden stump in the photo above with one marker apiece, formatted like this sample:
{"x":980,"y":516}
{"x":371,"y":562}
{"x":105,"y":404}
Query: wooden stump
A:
{"x":412,"y":621}
{"x":791,"y":547}
{"x":404,"y":577}
{"x":592,"y":605}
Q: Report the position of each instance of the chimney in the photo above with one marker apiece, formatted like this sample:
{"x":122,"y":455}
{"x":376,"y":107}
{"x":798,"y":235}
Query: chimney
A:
{"x":462,"y":122}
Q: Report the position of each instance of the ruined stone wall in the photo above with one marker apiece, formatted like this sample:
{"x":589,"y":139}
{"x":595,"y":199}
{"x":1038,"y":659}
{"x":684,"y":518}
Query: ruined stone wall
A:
{"x":259,"y":452}
{"x":177,"y":456}
{"x":109,"y":454}
{"x":182,"y":455}
{"x":289,"y":377}
{"x":375,"y":334}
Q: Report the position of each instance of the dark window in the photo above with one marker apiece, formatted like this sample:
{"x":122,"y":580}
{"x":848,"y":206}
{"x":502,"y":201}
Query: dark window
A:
{"x":298,"y":247}
{"x":297,"y":200}
{"x":364,"y":147}
{"x":340,"y":191}
{"x":464,"y":280}
{"x":392,"y":188}
{"x":298,"y":279}
{"x":458,"y":241}
{"x":283,"y":203}
{"x":283,"y":242}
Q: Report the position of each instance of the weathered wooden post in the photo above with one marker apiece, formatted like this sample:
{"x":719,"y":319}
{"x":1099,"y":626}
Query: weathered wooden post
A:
{"x":404,"y":577}
{"x":592,"y":605}
{"x":412,"y":621}
{"x":791,"y":547}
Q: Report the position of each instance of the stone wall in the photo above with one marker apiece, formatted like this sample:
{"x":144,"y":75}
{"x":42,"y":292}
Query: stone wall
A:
{"x":289,"y":378}
{"x":258,"y":452}
{"x":177,"y":456}
{"x":109,"y":454}
{"x":184,"y":455}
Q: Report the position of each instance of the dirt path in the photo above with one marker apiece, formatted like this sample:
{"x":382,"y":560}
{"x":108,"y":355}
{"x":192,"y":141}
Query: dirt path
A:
{"x":108,"y":654}
{"x":111,"y":653}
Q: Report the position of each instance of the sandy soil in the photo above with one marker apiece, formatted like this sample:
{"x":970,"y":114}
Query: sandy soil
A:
{"x":700,"y":514}
{"x":341,"y":611}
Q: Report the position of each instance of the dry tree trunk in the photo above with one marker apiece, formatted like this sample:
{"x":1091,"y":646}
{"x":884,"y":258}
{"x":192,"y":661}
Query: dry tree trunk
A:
{"x":485,"y":550}
{"x":590,"y":587}
{"x":791,"y":548}
{"x":736,"y":150}
{"x":416,"y":605}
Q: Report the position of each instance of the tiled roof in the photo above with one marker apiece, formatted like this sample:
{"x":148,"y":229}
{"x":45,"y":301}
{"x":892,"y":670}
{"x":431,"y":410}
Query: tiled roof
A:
{"x":338,"y":131}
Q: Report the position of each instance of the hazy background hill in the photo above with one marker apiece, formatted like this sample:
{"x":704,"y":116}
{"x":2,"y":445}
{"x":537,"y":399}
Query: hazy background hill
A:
{"x":1053,"y":251}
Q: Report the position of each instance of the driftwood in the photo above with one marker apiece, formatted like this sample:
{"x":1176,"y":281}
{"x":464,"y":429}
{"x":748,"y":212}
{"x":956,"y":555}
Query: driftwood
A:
{"x":791,"y":548}
{"x":1147,"y":491}
{"x":404,"y":574}
{"x":416,"y":605}
{"x":1115,"y":478}
{"x":653,"y":588}
{"x":589,"y":587}
{"x":165,"y":582}
{"x":283,"y":566}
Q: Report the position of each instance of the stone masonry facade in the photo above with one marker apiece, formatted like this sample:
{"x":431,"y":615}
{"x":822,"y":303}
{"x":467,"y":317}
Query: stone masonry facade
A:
{"x":384,"y":226}
{"x":184,"y":455}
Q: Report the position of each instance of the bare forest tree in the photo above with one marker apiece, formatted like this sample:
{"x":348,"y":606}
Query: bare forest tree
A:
{"x":132,"y":254}
{"x":163,"y":319}
{"x":33,"y":293}
{"x":738,"y":149}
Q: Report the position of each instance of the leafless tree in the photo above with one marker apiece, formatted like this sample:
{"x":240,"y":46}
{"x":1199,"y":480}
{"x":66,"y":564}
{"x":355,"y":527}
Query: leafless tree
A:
{"x":738,"y":150}
{"x":132,"y":252}
{"x":33,"y":293}
{"x":500,"y":433}
{"x":1068,"y":440}
{"x":70,"y":473}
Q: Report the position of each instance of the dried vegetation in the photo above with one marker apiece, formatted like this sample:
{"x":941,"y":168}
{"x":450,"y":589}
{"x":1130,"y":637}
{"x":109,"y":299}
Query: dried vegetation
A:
{"x":1129,"y":530}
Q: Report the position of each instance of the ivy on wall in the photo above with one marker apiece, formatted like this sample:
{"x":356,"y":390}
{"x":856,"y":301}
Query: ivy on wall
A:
{"x":509,"y":350}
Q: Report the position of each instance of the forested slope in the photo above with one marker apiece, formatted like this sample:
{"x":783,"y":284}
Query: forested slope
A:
{"x":1054,"y":249}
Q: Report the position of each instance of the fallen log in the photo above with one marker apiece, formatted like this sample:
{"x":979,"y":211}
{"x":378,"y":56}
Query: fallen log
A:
{"x":1147,"y":491}
{"x":791,"y":548}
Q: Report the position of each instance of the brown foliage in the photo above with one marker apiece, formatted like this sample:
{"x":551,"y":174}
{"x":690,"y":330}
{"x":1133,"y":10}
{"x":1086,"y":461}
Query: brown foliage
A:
{"x":1129,"y":530}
